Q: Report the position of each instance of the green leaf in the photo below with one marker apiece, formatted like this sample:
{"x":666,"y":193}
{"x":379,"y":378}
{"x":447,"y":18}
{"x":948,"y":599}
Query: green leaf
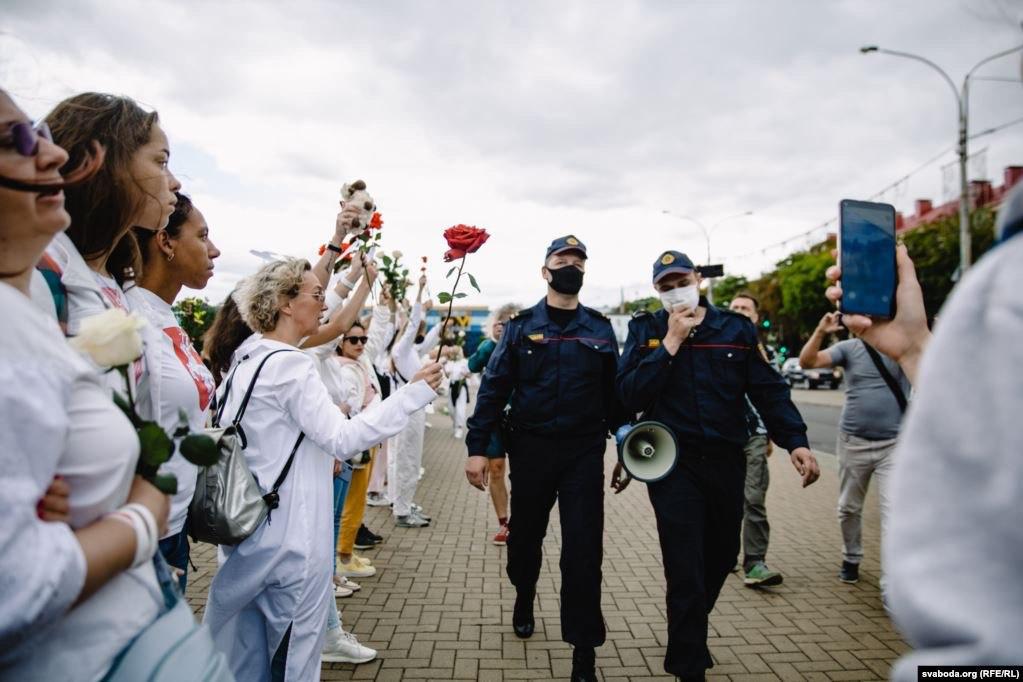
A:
{"x":156,"y":447}
{"x":199,"y":449}
{"x":386,"y":259}
{"x":460,"y":295}
{"x":166,"y":483}
{"x":472,"y":281}
{"x":453,"y":268}
{"x":444,"y":297}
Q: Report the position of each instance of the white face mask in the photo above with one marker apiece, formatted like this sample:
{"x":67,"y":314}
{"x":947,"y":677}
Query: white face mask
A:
{"x":688,"y":297}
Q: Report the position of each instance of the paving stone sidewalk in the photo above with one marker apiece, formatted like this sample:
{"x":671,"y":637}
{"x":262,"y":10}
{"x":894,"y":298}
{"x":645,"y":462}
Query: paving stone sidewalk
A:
{"x":440,"y":606}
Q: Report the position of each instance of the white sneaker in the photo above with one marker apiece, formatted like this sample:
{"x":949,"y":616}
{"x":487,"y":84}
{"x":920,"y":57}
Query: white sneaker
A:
{"x":458,"y":434}
{"x":422,"y":472}
{"x":340,"y":592}
{"x":343,"y":647}
{"x":377,"y":500}
{"x":355,"y":569}
{"x":350,"y":584}
{"x":418,"y":511}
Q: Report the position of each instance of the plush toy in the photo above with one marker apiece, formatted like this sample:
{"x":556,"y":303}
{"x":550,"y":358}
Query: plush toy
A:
{"x":355,"y":195}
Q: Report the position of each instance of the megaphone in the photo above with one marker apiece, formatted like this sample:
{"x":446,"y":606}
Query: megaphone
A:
{"x":648,"y":450}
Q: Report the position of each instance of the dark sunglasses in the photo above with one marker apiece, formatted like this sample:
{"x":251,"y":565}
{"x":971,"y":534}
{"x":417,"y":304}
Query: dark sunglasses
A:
{"x":357,"y":339}
{"x":24,"y":137}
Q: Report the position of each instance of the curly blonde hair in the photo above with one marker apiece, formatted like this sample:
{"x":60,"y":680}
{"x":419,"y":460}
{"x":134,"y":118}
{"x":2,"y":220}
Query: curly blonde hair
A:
{"x":505,"y":312}
{"x":259,"y":297}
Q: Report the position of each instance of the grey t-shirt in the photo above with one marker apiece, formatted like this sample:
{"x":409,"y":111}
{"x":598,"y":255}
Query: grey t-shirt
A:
{"x":871,"y":410}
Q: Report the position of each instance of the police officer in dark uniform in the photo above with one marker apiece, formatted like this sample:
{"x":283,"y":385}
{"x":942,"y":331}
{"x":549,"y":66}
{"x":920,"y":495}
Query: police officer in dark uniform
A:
{"x":557,"y":363}
{"x":691,"y":369}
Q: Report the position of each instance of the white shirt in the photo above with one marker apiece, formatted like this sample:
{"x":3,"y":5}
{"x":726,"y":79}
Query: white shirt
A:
{"x":177,"y":381}
{"x":66,"y":424}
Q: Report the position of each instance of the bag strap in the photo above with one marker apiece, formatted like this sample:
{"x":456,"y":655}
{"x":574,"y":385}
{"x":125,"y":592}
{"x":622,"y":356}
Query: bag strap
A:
{"x":893,"y":385}
{"x":273,"y":498}
{"x":252,"y":385}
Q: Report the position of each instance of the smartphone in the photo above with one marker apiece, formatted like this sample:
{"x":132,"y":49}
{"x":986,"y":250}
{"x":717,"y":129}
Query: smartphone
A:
{"x":866,"y":255}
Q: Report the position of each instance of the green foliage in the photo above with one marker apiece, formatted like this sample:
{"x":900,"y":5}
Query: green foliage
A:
{"x":199,"y":449}
{"x":727,"y":287}
{"x":195,"y":315}
{"x":444,"y":297}
{"x":650,"y":304}
{"x":934,"y":249}
{"x":801,"y":277}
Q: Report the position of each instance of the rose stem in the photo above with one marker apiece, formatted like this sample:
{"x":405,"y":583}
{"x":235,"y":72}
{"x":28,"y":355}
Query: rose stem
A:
{"x":451,"y":302}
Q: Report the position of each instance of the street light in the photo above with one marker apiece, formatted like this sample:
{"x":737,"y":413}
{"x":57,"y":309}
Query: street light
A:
{"x":706,"y":236}
{"x":962,"y":112}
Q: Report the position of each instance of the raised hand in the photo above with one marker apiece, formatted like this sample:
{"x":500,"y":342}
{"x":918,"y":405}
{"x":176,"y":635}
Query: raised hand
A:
{"x":902,"y":338}
{"x":431,"y":373}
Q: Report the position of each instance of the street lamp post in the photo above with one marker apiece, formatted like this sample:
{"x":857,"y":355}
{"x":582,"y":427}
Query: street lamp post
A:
{"x":962,"y":113}
{"x":706,"y":236}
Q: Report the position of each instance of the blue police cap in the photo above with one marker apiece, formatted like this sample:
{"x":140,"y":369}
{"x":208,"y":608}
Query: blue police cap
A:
{"x":670,"y":262}
{"x":566,"y":243}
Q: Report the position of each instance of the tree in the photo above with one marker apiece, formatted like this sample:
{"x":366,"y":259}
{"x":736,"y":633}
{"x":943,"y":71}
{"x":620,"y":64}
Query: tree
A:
{"x":727,"y":287}
{"x":195,"y":315}
{"x":934,"y":249}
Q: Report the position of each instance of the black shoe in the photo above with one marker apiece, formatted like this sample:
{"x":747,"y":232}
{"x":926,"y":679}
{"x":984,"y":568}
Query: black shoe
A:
{"x":366,"y":539}
{"x":522,"y":616}
{"x":850,"y":573}
{"x":584,"y":664}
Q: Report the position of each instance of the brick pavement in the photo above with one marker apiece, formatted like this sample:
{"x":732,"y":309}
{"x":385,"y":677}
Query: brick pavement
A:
{"x":439,"y":607}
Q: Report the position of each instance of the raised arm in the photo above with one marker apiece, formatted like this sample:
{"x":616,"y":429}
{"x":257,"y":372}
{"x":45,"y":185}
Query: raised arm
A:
{"x":404,"y":354}
{"x":811,"y":356}
{"x":342,"y":320}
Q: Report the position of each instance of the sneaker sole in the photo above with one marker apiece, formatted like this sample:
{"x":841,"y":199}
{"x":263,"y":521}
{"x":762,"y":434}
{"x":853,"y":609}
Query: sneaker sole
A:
{"x":342,"y":595}
{"x":500,"y":543}
{"x":365,"y":545}
{"x":767,"y":582}
{"x":341,"y":658}
{"x":848,"y":581}
{"x":360,"y":573}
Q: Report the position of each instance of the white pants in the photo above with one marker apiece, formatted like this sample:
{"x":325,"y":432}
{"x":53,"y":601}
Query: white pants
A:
{"x":381,"y":467}
{"x":858,"y":460}
{"x":403,"y":462}
{"x":458,"y":407}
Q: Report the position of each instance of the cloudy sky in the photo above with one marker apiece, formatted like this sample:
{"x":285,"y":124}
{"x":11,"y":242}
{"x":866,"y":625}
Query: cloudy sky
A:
{"x":535,"y":119}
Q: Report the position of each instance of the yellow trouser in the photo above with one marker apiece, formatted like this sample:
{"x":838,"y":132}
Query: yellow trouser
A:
{"x":355,"y":506}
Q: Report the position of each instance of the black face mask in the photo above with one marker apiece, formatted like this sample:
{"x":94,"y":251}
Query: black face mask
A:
{"x":420,"y":338}
{"x":567,"y":280}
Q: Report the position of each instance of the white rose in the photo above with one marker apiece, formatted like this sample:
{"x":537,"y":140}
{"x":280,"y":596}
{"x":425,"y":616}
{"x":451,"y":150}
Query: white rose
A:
{"x":396,"y":254}
{"x":111,"y":338}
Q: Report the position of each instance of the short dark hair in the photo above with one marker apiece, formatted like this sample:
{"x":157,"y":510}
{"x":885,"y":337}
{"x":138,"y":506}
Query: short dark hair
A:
{"x":182,"y":210}
{"x":746,"y":294}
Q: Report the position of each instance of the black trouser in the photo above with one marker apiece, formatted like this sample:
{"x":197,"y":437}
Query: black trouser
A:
{"x":699,"y":513}
{"x":570,"y":471}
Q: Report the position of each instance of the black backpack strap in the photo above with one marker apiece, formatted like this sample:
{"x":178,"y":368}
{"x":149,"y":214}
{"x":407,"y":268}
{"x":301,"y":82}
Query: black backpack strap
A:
{"x":893,"y":385}
{"x":273,"y":498}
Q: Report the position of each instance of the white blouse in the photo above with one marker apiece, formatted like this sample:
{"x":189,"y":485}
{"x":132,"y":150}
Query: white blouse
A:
{"x":177,"y":381}
{"x":62,"y":420}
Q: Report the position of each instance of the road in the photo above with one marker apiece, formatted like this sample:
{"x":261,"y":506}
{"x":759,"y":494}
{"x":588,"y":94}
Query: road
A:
{"x":821,"y":410}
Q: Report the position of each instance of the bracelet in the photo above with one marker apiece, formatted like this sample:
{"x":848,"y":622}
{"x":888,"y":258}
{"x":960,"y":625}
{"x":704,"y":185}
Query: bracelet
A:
{"x":145,"y":543}
{"x":346,"y":284}
{"x":152,"y":532}
{"x":329,"y":247}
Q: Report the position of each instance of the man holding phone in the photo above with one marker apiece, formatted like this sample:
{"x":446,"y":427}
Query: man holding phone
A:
{"x":876,"y":391}
{"x":690,"y":366}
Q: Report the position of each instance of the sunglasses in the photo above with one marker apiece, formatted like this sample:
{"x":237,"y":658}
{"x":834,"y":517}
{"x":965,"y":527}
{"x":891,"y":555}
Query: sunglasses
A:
{"x":24,"y":137}
{"x":357,"y":339}
{"x":318,"y":295}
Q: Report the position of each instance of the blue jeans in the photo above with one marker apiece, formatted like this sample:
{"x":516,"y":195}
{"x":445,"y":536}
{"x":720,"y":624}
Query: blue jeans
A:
{"x":341,"y":482}
{"x":175,"y":551}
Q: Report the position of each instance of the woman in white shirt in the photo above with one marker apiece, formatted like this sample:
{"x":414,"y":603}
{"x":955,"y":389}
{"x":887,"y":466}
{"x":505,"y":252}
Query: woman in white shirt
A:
{"x":267,"y":604}
{"x":133,"y":188}
{"x":74,"y":596}
{"x":179,"y":255}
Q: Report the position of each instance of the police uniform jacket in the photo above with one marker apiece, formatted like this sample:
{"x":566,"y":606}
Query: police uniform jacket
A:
{"x":561,"y":382}
{"x":700,"y":392}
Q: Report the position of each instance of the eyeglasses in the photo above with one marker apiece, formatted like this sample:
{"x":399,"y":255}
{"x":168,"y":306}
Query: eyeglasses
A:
{"x":357,"y":339}
{"x":318,"y":295}
{"x":24,"y":137}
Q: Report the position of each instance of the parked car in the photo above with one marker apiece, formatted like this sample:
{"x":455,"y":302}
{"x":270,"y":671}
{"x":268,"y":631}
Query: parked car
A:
{"x":809,"y":378}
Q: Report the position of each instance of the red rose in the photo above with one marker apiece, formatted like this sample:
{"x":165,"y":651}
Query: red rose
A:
{"x":464,"y":239}
{"x":376,"y":221}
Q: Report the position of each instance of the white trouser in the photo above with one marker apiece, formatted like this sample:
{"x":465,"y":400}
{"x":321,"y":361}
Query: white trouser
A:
{"x":403,"y":463}
{"x":458,"y":408}
{"x":381,"y":467}
{"x":858,"y":460}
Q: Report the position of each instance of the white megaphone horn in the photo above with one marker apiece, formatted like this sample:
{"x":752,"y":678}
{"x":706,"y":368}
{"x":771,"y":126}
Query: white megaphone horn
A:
{"x":647,"y":450}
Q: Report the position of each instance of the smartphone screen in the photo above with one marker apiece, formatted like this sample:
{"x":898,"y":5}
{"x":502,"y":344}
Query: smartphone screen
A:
{"x":866,"y":253}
